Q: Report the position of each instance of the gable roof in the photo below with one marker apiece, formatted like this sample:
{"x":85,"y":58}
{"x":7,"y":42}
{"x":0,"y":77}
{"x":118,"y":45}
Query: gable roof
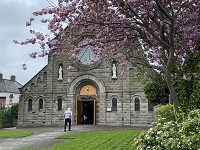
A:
{"x":35,"y":75}
{"x":9,"y":86}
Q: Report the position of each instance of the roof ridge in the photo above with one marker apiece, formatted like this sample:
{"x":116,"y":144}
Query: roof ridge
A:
{"x":10,"y":86}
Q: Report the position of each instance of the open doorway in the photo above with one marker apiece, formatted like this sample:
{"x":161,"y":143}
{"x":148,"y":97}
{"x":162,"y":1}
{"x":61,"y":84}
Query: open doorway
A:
{"x":87,"y":112}
{"x":86,"y":105}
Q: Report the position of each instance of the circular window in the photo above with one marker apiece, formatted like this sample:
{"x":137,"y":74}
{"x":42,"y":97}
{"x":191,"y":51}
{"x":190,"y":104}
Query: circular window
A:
{"x":86,"y":55}
{"x":86,"y":59}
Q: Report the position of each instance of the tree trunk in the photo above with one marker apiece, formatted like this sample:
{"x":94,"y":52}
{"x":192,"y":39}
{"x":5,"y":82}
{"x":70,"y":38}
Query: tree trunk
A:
{"x":168,"y":78}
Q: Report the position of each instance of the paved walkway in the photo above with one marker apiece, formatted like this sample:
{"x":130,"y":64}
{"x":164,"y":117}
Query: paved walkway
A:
{"x":45,"y":137}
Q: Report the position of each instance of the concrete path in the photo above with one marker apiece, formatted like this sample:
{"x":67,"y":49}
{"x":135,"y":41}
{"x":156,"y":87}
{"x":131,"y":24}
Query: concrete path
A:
{"x":45,"y":137}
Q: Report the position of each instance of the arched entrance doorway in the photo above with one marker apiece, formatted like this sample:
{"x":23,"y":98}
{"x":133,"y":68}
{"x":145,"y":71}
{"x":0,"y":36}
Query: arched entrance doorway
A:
{"x":86,"y":105}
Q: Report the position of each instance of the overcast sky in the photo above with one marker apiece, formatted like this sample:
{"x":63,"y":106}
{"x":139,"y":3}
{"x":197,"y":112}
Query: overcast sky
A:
{"x":13,"y":17}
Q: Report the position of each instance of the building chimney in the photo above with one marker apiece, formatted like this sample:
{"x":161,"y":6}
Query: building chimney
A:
{"x":1,"y":76}
{"x":12,"y":78}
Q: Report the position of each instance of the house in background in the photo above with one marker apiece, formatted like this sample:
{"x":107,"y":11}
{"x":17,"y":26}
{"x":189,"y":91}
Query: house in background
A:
{"x":9,"y":91}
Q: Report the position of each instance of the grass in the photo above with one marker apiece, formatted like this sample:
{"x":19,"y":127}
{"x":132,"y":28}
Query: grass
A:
{"x":102,"y":140}
{"x":17,"y":133}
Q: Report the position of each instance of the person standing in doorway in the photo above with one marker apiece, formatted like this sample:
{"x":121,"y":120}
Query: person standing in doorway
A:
{"x":84,"y":119}
{"x":68,"y":117}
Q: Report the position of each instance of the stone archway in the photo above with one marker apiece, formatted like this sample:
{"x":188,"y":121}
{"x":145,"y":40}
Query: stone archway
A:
{"x":79,"y":96}
{"x":86,"y":104}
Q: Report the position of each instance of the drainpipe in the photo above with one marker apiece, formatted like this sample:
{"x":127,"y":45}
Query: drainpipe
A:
{"x":122,"y":101}
{"x":52,"y":89}
{"x":22,"y":103}
{"x":106,"y":97}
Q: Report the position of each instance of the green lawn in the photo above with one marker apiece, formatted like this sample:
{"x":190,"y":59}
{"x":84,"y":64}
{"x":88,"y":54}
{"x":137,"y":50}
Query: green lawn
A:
{"x":102,"y":140}
{"x":7,"y":133}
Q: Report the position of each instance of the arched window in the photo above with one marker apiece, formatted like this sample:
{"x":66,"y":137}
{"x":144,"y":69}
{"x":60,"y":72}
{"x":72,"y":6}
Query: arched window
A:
{"x":137,"y":104}
{"x":88,"y":90}
{"x":38,"y":79}
{"x":41,"y":104}
{"x":32,"y":86}
{"x":114,"y":104}
{"x":30,"y":105}
{"x":45,"y":76}
{"x":59,"y":103}
{"x":45,"y":79}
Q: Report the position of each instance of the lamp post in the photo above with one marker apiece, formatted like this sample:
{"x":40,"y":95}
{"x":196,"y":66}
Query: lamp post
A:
{"x":10,"y":107}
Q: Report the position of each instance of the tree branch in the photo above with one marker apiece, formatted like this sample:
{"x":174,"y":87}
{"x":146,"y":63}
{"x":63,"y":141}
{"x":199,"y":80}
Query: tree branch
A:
{"x":158,"y":2}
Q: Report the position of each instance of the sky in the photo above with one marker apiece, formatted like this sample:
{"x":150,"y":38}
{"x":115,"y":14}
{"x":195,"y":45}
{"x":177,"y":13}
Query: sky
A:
{"x":13,"y":17}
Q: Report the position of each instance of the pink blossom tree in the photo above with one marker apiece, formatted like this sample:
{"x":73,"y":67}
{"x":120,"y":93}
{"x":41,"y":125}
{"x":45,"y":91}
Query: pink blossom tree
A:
{"x":164,"y":32}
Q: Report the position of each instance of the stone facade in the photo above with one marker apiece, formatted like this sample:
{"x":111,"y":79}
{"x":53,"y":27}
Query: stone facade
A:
{"x":47,"y":95}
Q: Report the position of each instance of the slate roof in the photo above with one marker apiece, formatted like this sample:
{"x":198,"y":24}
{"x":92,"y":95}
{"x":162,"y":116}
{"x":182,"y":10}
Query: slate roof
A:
{"x":9,"y":86}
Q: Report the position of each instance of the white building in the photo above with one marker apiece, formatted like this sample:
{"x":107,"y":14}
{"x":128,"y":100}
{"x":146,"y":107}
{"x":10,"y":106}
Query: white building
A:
{"x":9,"y":91}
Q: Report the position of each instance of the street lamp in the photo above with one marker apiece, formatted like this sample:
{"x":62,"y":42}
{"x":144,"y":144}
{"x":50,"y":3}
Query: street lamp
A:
{"x":10,"y":107}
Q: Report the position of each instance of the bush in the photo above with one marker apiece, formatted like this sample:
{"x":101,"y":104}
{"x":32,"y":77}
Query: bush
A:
{"x":167,"y":112}
{"x":1,"y":116}
{"x":189,"y":94}
{"x":195,"y":96}
{"x":15,"y":110}
{"x":172,"y":135}
{"x":1,"y":119}
{"x":157,"y":91}
{"x":190,"y":130}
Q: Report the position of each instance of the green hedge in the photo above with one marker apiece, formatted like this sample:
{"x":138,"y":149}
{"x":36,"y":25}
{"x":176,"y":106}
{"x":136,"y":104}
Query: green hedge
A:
{"x":166,"y":111}
{"x":1,"y":119}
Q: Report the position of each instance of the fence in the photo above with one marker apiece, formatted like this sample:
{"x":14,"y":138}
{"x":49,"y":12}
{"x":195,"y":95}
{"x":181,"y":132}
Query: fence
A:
{"x":6,"y":117}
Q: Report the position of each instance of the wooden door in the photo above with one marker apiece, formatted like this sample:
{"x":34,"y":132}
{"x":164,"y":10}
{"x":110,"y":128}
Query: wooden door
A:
{"x":78,"y":112}
{"x":94,"y":112}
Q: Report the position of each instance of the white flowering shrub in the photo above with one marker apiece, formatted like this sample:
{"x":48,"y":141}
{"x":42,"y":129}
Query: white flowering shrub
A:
{"x":190,"y":131}
{"x":172,"y":134}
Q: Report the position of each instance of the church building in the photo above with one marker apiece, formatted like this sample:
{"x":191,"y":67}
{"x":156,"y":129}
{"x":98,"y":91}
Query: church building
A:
{"x":95,"y":90}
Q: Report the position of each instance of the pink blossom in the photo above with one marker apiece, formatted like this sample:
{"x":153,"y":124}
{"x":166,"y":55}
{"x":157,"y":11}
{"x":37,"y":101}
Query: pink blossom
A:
{"x":70,"y":68}
{"x":28,"y":23}
{"x":16,"y":42}
{"x":33,"y":55}
{"x":31,"y":19}
{"x":126,"y":30}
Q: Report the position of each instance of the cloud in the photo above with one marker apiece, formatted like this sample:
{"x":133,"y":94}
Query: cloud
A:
{"x":14,"y":14}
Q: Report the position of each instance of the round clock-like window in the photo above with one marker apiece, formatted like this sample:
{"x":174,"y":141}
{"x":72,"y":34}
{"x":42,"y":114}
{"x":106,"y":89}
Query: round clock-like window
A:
{"x":86,"y":56}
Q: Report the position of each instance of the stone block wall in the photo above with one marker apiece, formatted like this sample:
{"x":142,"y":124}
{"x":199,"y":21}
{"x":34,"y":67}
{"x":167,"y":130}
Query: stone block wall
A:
{"x":45,"y":85}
